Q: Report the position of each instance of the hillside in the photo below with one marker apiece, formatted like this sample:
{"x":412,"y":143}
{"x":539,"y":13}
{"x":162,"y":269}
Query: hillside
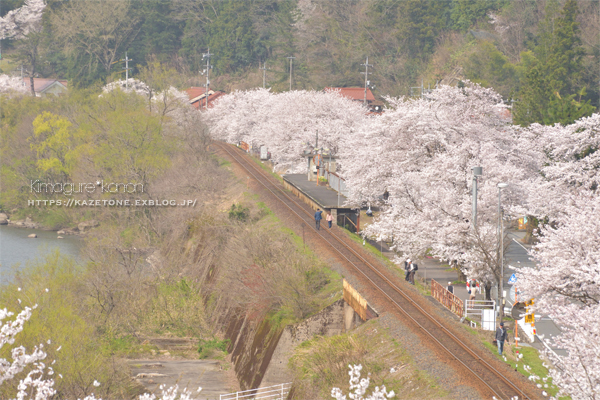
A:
{"x":496,"y":43}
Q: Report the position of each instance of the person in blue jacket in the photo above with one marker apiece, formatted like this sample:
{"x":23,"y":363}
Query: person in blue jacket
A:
{"x":318,"y":218}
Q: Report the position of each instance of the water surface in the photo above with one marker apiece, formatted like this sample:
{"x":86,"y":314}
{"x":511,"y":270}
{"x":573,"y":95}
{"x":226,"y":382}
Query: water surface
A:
{"x":17,"y":249}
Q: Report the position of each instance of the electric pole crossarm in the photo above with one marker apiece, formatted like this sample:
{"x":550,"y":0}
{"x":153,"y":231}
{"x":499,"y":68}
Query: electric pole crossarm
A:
{"x":126,"y":59}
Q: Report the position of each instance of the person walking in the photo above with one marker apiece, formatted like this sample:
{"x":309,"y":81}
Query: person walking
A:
{"x":406,"y":270}
{"x":501,"y":337}
{"x":473,"y":292}
{"x":318,"y":218}
{"x":412,"y":269}
{"x":450,"y":287}
{"x":329,"y":219}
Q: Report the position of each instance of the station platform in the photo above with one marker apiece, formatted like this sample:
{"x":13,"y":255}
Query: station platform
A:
{"x":315,"y":196}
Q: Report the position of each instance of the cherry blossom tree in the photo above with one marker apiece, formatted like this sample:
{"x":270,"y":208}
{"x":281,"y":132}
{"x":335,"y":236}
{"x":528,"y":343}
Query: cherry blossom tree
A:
{"x":169,"y":102}
{"x":285,"y":122}
{"x":570,"y":164}
{"x":566,"y":282}
{"x":39,"y":382}
{"x":19,"y":23}
{"x":566,"y":286}
{"x":421,"y":152}
{"x":25,"y":25}
{"x":360,"y":387}
{"x":11,"y":85}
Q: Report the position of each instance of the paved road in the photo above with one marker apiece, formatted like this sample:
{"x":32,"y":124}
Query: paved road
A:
{"x":516,"y":258}
{"x":189,"y":374}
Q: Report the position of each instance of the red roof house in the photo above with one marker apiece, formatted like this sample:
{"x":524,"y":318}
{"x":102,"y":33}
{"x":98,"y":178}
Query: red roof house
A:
{"x":358,"y":94}
{"x":197,"y":96}
{"x":44,"y":86}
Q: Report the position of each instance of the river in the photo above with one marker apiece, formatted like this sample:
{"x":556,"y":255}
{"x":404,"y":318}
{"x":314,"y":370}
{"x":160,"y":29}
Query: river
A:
{"x":17,"y":248}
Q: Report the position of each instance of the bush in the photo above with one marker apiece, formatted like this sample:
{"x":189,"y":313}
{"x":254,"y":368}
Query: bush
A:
{"x":239,"y":213}
{"x":207,"y":348}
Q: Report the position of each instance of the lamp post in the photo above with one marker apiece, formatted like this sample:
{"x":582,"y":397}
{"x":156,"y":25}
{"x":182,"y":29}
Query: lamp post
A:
{"x":477,"y":171}
{"x":500,"y":296}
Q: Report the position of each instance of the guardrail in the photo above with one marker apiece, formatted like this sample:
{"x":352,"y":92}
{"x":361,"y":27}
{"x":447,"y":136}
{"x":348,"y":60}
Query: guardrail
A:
{"x":447,"y":299}
{"x":277,"y":392}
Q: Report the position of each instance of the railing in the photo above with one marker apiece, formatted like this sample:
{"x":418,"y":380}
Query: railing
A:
{"x":447,"y":299}
{"x":277,"y":392}
{"x":337,"y":183}
{"x":484,"y":310}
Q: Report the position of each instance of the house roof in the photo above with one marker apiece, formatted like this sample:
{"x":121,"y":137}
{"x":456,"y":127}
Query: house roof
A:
{"x":41,"y":84}
{"x":353,"y":93}
{"x":198,"y":94}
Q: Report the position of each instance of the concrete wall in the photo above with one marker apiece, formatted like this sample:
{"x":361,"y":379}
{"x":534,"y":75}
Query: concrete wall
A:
{"x":333,"y":320}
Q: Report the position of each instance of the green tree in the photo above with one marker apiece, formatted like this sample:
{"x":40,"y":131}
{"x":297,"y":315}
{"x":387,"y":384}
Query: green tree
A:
{"x":551,"y":90}
{"x":465,"y":13}
{"x":53,"y":144}
{"x":418,"y":25}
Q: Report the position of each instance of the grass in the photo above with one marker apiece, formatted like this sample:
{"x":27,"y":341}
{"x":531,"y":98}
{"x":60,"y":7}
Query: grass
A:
{"x":322,"y":363}
{"x":531,"y":358}
{"x":213,"y":348}
{"x":266,"y":168}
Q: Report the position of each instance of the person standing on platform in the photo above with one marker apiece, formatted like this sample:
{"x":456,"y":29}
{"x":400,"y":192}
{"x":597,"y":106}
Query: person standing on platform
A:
{"x":318,"y":218}
{"x":329,"y":219}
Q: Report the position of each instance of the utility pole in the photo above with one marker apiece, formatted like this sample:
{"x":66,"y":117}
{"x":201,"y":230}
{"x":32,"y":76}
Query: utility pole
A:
{"x":126,"y":70}
{"x":291,"y":58}
{"x":207,"y":71}
{"x":264,"y":70}
{"x":366,"y":65}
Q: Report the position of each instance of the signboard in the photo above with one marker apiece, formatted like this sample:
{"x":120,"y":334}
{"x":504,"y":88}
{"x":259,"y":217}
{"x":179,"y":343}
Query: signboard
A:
{"x":512,"y":280}
{"x":245,"y":146}
{"x":529,"y":318}
{"x":529,"y":302}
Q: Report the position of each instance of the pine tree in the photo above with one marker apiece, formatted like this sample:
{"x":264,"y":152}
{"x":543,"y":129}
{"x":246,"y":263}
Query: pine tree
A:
{"x":553,"y":80}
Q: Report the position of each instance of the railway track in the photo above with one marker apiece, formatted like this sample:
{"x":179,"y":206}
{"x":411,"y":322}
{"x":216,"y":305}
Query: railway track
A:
{"x":493,"y":380}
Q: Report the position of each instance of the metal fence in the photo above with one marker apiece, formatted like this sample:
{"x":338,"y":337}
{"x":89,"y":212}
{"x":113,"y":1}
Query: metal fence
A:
{"x":348,"y":221}
{"x":277,"y":392}
{"x":448,"y":300}
{"x":484,"y":311}
{"x":337,"y":183}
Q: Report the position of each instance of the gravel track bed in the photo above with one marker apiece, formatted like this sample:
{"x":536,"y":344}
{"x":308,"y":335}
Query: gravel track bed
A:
{"x":431,"y":358}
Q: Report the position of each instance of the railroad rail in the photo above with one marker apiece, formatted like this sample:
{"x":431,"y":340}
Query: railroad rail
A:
{"x":498,"y":385}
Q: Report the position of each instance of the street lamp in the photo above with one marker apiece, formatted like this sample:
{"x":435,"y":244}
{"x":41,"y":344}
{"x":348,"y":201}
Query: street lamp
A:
{"x":477,"y":171}
{"x":500,"y":296}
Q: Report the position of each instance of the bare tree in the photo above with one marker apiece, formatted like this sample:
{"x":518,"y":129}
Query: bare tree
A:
{"x":100,"y":29}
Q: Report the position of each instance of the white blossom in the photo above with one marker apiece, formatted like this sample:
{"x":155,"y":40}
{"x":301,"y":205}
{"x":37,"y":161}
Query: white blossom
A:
{"x":18,"y":23}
